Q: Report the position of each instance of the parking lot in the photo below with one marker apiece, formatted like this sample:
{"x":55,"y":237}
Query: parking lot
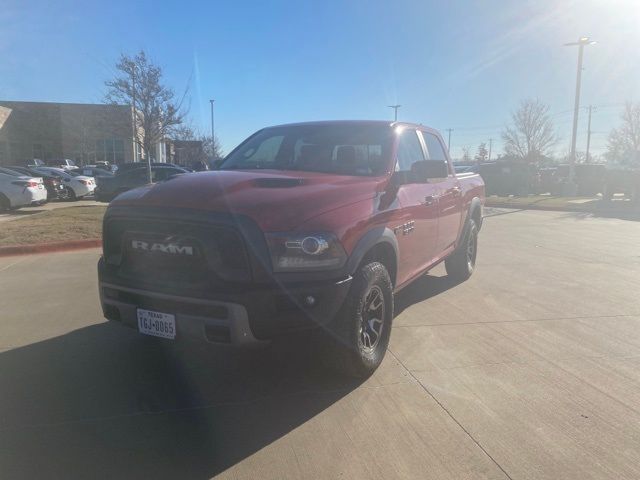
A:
{"x":529,"y":370}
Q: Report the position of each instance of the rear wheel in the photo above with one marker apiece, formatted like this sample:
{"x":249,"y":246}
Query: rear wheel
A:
{"x":360,"y":332}
{"x":462,"y":262}
{"x":71,"y":195}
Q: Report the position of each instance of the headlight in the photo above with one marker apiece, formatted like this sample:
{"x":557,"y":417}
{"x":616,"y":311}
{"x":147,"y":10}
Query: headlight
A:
{"x":292,"y":252}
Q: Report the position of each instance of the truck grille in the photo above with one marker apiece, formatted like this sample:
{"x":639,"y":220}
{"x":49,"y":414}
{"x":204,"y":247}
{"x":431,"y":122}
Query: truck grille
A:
{"x":166,"y":253}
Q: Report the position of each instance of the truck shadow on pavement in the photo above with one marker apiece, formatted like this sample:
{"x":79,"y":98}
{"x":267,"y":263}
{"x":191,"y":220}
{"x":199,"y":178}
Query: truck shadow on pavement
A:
{"x":420,"y":290}
{"x":102,"y":402}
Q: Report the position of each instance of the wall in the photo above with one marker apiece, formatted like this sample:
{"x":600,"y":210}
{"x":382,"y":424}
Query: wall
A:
{"x":82,"y":132}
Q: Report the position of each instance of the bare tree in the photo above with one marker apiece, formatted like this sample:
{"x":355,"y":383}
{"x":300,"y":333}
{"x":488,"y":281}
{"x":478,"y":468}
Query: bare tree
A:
{"x":624,"y":142}
{"x":155,"y":108}
{"x":211,"y":147}
{"x":482,"y":154}
{"x":531,"y":135}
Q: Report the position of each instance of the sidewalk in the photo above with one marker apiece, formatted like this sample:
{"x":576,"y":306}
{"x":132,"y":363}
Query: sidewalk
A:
{"x":619,"y":205}
{"x":24,"y":212}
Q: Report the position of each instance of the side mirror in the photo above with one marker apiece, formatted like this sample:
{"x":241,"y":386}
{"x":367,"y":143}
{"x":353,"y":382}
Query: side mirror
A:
{"x":426,"y":169}
{"x":404,"y":177}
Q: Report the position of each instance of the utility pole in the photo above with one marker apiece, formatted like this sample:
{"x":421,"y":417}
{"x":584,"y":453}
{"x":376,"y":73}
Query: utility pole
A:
{"x":570,"y":187}
{"x":449,"y":141}
{"x":395,"y":111}
{"x":490,"y":145}
{"x":212,"y":129}
{"x":588,"y":135}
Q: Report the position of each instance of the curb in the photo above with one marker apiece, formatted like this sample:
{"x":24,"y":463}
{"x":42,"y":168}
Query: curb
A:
{"x":537,"y":207}
{"x":595,"y":211}
{"x":50,"y":247}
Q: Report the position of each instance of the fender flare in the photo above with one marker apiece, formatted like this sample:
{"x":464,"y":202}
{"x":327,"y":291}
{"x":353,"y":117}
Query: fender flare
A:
{"x":474,"y":205}
{"x":375,"y":236}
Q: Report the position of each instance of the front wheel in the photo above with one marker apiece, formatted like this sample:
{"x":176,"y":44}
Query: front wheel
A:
{"x":461,"y":264}
{"x":360,"y":332}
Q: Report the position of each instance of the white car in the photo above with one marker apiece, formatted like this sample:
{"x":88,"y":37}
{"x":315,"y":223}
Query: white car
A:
{"x":20,"y":191}
{"x":64,"y":164}
{"x":78,"y":185}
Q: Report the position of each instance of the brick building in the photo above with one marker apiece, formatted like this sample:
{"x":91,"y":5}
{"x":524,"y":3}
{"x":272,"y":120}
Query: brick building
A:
{"x":85,"y":133}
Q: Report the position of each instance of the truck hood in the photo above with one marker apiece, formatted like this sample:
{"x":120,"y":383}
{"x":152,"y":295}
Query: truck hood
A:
{"x":275,"y":200}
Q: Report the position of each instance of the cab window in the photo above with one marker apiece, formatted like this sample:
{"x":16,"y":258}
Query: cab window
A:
{"x":409,"y":150}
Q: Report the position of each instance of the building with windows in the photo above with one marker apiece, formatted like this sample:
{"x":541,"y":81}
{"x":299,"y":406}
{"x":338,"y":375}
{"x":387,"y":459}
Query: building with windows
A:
{"x":85,"y":133}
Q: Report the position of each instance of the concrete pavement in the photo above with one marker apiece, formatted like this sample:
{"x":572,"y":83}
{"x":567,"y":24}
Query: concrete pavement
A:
{"x":529,"y":370}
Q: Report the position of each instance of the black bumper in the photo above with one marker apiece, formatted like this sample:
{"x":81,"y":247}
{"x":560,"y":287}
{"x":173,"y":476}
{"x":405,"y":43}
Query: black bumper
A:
{"x":250,"y":314}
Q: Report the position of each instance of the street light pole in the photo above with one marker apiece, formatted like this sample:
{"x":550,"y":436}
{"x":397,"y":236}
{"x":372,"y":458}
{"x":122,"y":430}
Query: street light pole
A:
{"x":395,"y":111}
{"x":449,"y":141}
{"x":212,"y":129}
{"x":588,"y":135}
{"x":570,"y":186}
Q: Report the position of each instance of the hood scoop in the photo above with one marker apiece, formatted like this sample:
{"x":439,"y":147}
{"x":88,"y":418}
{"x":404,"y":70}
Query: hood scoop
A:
{"x":278,"y":182}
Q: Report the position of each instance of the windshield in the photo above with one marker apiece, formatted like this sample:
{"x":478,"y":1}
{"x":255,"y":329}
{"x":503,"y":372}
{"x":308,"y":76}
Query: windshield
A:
{"x":360,"y":150}
{"x":7,"y":171}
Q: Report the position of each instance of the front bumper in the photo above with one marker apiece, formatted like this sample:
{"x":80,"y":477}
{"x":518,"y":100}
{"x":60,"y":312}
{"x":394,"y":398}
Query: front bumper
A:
{"x":256,"y":314}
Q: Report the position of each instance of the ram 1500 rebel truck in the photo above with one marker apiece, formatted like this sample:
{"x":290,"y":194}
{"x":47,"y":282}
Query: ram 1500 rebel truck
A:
{"x":310,"y":225}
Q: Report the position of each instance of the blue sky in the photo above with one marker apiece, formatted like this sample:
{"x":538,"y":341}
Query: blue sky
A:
{"x":458,"y":64}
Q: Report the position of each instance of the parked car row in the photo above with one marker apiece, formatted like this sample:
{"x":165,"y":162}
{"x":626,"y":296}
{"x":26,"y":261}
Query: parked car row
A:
{"x":128,"y":177}
{"x":37,"y":183}
{"x":34,"y":185}
{"x":56,"y":190}
{"x":513,"y":178}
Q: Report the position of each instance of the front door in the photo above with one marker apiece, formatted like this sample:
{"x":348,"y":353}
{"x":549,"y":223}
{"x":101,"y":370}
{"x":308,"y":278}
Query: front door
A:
{"x":449,"y":196}
{"x":416,"y":227}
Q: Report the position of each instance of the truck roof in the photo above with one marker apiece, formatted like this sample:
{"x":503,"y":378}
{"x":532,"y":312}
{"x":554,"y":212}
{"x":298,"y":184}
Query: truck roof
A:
{"x":352,"y":122}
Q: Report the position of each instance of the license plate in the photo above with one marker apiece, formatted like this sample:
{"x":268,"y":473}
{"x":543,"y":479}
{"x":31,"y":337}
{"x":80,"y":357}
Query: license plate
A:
{"x":156,"y":323}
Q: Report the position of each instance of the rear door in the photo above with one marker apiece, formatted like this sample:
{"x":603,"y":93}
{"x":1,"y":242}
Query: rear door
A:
{"x":449,"y":196}
{"x":417,"y":227}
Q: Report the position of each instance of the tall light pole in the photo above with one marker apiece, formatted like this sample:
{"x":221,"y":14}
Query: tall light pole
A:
{"x":395,"y":111}
{"x":212,"y":129}
{"x":570,"y":187}
{"x":588,"y":135}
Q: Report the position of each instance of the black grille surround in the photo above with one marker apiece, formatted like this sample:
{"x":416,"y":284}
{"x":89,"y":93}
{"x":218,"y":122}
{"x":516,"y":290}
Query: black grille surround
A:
{"x":216,"y":256}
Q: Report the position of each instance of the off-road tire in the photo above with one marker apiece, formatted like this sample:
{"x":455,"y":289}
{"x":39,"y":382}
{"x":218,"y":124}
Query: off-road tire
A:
{"x":461,"y":264}
{"x":355,"y":347}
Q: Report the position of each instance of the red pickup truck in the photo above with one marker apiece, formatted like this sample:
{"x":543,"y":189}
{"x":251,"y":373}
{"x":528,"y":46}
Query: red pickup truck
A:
{"x":310,"y":225}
